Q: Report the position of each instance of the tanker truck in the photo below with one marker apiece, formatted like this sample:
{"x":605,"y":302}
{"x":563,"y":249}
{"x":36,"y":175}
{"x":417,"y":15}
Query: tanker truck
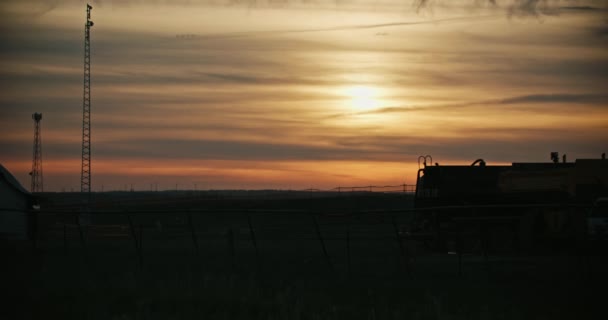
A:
{"x":517,"y":206}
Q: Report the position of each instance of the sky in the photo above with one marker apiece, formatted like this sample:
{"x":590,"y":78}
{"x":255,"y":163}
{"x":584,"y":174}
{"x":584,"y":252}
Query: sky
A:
{"x":294,"y":94}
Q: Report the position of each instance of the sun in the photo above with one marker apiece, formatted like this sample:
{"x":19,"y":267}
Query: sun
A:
{"x":362,"y":98}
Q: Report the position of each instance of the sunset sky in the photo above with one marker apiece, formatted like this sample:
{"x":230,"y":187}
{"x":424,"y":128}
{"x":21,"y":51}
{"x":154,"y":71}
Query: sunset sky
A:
{"x":293,"y":94}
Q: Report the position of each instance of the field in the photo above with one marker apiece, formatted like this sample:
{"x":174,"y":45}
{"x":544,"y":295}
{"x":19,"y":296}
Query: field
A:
{"x":297,"y":256}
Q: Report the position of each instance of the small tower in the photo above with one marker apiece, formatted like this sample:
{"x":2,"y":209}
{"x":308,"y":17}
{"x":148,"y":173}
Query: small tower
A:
{"x":36,"y":172}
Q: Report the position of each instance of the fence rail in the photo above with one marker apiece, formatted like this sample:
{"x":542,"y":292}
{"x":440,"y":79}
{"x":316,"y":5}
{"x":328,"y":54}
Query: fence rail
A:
{"x":340,"y":238}
{"x":80,"y":210}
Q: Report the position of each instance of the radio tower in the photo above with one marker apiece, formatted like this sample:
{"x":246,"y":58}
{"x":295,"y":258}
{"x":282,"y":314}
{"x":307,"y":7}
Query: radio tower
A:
{"x":85,"y":172}
{"x":37,"y":162}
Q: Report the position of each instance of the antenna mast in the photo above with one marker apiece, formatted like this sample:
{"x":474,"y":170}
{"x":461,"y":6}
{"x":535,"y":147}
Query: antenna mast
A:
{"x":85,"y":172}
{"x":36,"y":173}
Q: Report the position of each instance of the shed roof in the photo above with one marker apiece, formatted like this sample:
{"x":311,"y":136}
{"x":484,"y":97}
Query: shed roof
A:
{"x":10,"y":179}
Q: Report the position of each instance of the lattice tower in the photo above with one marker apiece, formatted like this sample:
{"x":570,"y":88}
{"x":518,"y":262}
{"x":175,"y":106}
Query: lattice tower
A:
{"x":85,"y":172}
{"x":36,"y":173}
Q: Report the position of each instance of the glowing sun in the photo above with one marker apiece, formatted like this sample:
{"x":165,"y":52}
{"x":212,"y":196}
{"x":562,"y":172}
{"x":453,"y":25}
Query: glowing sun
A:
{"x":362,"y":98}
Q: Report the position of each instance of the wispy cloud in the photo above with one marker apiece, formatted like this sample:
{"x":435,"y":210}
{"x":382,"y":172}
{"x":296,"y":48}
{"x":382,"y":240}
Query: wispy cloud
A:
{"x":348,"y":27}
{"x":592,"y":99}
{"x":308,"y":94}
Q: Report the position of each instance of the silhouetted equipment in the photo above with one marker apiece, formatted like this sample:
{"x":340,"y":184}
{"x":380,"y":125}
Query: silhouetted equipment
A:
{"x":85,"y":172}
{"x":36,"y":173}
{"x":532,"y":200}
{"x":481,"y":162}
{"x":422,"y":160}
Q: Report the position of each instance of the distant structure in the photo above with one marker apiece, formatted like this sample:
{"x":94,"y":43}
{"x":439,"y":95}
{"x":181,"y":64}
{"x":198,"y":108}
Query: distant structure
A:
{"x":16,"y":204}
{"x":85,"y":172}
{"x":36,"y":173}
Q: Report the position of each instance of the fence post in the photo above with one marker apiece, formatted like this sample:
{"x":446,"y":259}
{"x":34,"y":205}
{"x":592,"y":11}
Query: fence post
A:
{"x":485,"y":245}
{"x":65,"y":237}
{"x":80,"y":231}
{"x":348,"y":258}
{"x":404,"y":251}
{"x":459,"y":248}
{"x":32,"y":228}
{"x":141,"y":244}
{"x":134,"y":236}
{"x":253,"y":240}
{"x":82,"y":239}
{"x":231,"y":247}
{"x":193,"y":232}
{"x":314,"y":219}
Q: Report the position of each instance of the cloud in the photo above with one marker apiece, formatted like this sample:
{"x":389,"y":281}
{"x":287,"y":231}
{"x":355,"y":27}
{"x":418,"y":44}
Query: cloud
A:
{"x":520,"y":8}
{"x":601,"y":30}
{"x":593,"y":99}
{"x":482,"y":141}
{"x":344,"y":27}
{"x":490,"y":88}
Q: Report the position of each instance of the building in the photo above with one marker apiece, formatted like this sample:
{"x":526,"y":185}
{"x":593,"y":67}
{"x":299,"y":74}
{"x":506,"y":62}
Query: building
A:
{"x":16,"y":208}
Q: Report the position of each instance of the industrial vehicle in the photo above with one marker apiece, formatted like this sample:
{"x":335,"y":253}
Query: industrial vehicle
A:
{"x":517,"y":206}
{"x":597,"y":221}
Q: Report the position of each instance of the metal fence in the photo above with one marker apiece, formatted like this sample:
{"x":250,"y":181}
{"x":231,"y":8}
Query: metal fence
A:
{"x":340,"y":240}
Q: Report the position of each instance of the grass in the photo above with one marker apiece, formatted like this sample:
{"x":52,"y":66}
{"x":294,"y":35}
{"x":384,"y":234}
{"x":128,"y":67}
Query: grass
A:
{"x":170,"y":285}
{"x":291,"y":277}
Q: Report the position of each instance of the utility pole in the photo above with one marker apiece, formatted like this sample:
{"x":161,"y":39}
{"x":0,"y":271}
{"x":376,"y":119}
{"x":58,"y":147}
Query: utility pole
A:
{"x":85,"y":172}
{"x":36,"y":173}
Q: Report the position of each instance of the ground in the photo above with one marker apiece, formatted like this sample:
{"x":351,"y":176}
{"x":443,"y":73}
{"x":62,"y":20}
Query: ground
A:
{"x":301,"y":265}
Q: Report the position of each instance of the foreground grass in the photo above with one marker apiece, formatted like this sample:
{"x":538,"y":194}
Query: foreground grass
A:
{"x":112,"y":285}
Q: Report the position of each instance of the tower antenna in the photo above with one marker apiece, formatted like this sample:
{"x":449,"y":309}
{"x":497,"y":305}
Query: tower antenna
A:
{"x":37,"y":185}
{"x":85,"y":172}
